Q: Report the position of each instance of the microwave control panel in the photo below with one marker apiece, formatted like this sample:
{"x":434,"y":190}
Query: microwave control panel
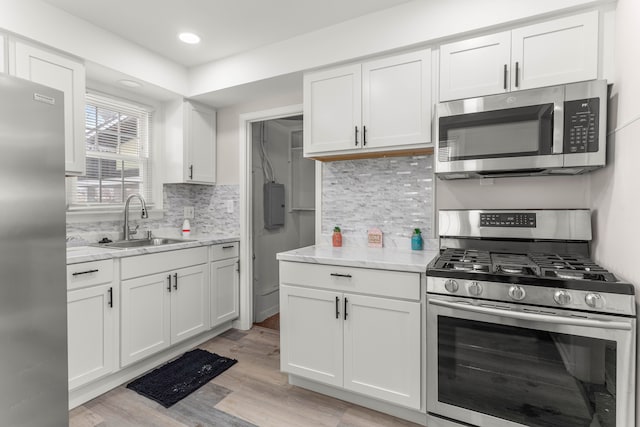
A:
{"x":581,"y":125}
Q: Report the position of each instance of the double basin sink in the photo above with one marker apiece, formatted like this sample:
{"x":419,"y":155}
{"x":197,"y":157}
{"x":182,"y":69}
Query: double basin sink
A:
{"x":140,"y":243}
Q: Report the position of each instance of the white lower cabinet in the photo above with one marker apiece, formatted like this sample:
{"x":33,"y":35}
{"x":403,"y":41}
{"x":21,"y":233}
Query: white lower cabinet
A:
{"x":92,"y":313}
{"x":91,"y":334}
{"x":362,"y":343}
{"x":162,"y":309}
{"x":225,"y":291}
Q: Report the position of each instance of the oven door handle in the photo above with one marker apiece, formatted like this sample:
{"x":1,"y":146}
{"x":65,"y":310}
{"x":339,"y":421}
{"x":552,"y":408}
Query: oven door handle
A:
{"x":534,"y":317}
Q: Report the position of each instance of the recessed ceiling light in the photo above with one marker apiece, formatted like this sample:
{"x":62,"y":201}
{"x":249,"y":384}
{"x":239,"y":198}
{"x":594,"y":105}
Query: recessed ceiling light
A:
{"x":129,"y":83}
{"x":189,"y":38}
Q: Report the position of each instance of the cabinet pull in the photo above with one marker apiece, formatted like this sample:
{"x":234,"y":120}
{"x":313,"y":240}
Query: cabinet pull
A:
{"x":364,"y":136}
{"x":505,"y":76}
{"x":190,"y":171}
{"x":356,"y":137}
{"x":337,"y":308}
{"x":345,"y":308}
{"x":169,"y":280}
{"x":341,"y":275}
{"x":228,"y":247}
{"x":517,"y":74}
{"x":175,"y":281}
{"x":111,"y":297}
{"x":78,"y":273}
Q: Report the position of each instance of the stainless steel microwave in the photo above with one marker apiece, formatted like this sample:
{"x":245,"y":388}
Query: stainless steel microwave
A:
{"x":551,"y":130}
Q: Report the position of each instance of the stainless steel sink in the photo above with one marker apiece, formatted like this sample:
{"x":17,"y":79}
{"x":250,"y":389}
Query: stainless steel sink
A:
{"x":137,"y":243}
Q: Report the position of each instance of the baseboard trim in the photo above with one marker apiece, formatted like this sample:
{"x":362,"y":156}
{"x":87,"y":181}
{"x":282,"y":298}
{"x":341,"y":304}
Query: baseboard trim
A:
{"x":94,"y":389}
{"x":266,"y":313}
{"x":375,"y":404}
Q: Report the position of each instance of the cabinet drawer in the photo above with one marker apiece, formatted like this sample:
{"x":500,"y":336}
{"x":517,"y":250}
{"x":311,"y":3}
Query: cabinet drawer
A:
{"x":395,"y":284}
{"x":143,"y":265}
{"x":89,"y":274}
{"x":224,"y":251}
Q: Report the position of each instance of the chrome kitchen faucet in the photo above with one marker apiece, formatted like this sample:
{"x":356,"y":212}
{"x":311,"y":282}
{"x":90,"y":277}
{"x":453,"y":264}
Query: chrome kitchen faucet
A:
{"x":143,"y":215}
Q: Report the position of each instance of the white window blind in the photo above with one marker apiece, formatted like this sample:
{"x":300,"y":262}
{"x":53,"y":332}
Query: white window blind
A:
{"x":117,"y":154}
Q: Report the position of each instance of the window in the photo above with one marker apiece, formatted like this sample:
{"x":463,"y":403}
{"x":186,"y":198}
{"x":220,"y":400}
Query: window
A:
{"x":117,"y":154}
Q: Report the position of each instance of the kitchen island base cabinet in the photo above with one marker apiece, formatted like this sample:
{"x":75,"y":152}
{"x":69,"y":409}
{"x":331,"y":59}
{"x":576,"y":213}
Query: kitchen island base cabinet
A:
{"x":368,"y":344}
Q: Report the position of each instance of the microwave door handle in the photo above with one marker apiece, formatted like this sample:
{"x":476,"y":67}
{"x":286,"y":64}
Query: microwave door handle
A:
{"x":534,"y":317}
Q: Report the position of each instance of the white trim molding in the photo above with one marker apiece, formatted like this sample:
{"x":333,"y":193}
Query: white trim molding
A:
{"x":246,"y":206}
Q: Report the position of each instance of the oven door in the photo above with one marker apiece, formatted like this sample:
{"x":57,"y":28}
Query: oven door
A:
{"x":498,"y":364}
{"x":506,"y":132}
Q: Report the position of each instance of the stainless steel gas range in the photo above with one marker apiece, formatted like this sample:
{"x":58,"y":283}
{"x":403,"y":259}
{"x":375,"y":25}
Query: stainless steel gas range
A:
{"x":523,"y":329}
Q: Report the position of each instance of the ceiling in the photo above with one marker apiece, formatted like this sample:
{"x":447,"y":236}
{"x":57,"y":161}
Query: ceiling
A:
{"x":227,"y":27}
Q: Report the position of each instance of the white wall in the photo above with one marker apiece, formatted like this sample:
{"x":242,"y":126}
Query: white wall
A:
{"x":615,"y":193}
{"x":228,"y":131}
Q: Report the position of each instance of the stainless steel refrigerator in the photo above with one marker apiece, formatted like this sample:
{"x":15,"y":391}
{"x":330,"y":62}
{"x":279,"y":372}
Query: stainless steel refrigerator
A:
{"x":33,"y":298}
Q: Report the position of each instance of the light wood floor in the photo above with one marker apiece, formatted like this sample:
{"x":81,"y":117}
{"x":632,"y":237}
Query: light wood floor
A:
{"x":253,"y":392}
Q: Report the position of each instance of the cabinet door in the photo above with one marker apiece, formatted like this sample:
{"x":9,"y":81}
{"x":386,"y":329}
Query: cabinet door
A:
{"x":475,"y":67}
{"x":200,"y":129}
{"x":68,"y":76}
{"x":332,"y":110}
{"x":189,"y":302}
{"x":225,"y":291}
{"x":145,"y":318}
{"x":396,"y":100}
{"x":382,"y":349}
{"x":311,"y":334}
{"x":555,"y":52}
{"x":91,"y":334}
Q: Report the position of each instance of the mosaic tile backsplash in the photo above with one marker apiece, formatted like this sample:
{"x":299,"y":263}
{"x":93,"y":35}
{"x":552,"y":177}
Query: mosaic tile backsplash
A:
{"x":394,"y":194}
{"x":211,"y":216}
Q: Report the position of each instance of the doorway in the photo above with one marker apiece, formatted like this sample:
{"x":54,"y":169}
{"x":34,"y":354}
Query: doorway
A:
{"x":283,"y":200}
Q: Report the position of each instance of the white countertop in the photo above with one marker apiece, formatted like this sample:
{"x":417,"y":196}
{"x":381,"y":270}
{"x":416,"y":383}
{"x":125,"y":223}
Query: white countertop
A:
{"x":93,"y":253}
{"x":378,"y":258}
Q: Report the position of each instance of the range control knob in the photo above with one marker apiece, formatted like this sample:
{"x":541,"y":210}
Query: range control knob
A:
{"x":594,"y":300}
{"x":475,"y":288}
{"x":452,"y":286}
{"x":562,"y":297}
{"x":517,"y":292}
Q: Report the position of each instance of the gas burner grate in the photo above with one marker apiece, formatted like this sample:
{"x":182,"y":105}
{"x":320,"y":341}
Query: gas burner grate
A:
{"x":571,"y":267}
{"x":464,"y":260}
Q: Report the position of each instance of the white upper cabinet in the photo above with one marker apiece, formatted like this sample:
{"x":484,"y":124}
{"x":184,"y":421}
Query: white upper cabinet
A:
{"x":332,"y":110}
{"x":475,"y":67}
{"x":396,"y":100}
{"x":555,"y":52}
{"x":190,"y":143}
{"x":67,"y":75}
{"x":382,"y":105}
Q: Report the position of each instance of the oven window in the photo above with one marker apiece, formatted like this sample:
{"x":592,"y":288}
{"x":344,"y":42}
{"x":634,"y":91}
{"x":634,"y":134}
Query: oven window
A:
{"x":532,"y":377}
{"x":523,"y":131}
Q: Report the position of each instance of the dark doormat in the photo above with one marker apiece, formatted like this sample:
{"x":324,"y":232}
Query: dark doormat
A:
{"x":177,"y":379}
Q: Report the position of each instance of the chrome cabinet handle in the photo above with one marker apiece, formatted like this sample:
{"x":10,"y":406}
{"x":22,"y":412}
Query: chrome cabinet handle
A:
{"x":341,"y":275}
{"x":78,"y":273}
{"x":534,"y":317}
{"x":169,"y":280}
{"x":175,"y":281}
